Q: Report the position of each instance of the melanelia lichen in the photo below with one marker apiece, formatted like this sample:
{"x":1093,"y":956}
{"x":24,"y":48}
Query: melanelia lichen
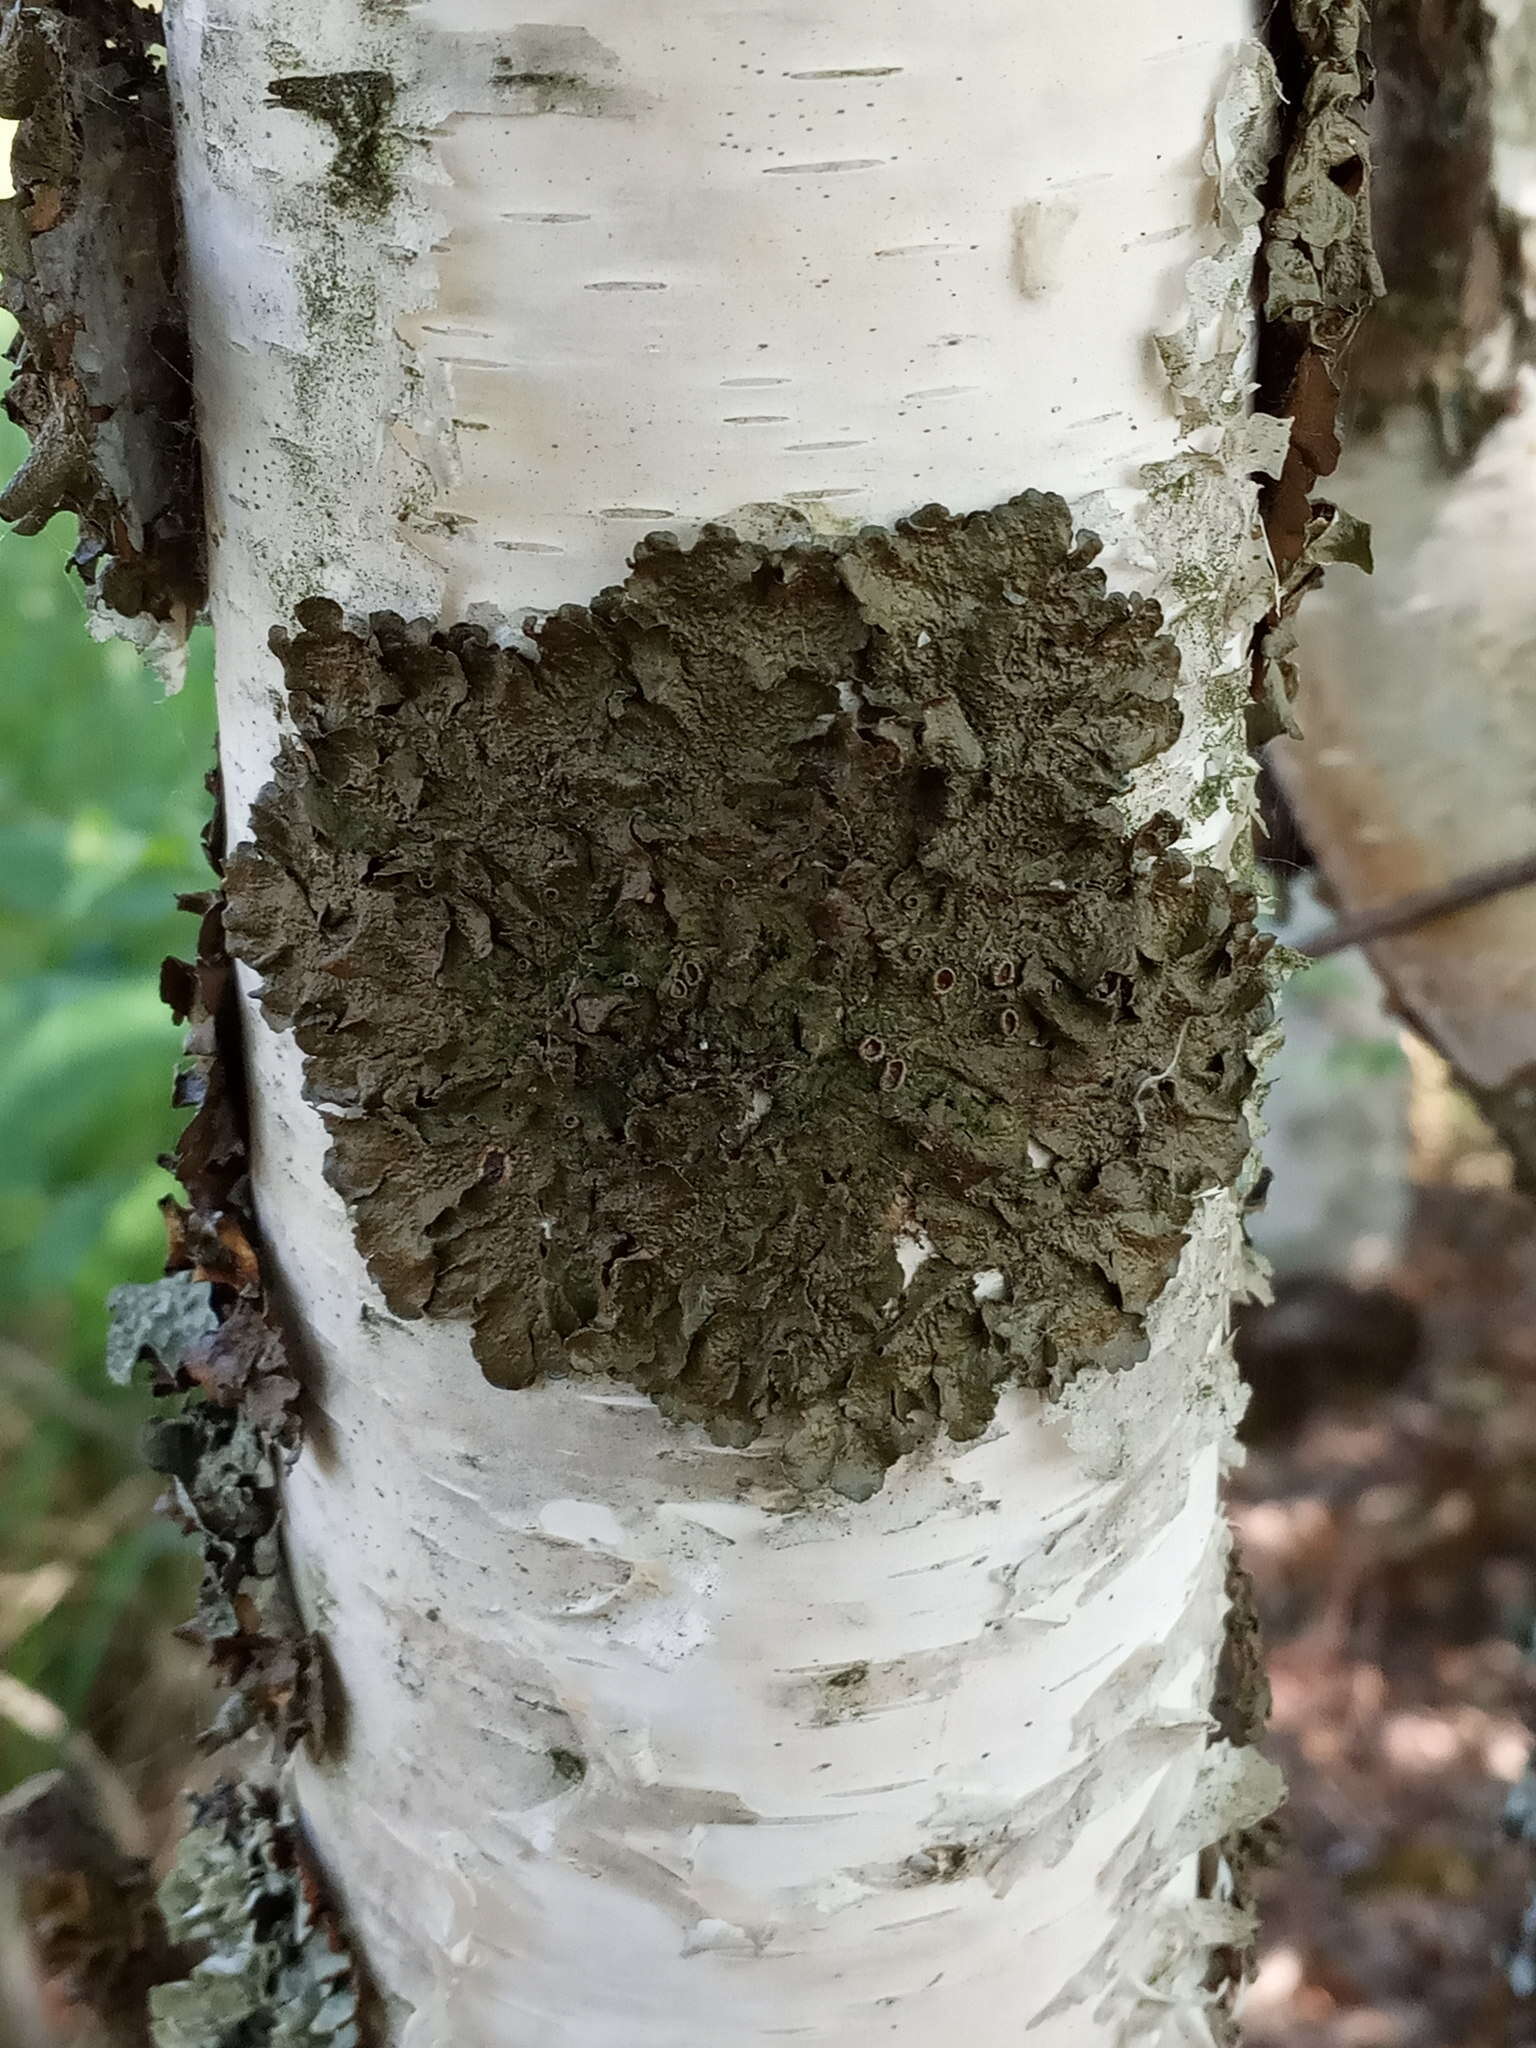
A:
{"x":776,"y":930}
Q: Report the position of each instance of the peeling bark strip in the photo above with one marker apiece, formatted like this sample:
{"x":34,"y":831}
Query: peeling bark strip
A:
{"x":88,"y":247}
{"x":1321,"y":275}
{"x":674,"y":995}
{"x":276,"y":1973}
{"x":205,"y":1331}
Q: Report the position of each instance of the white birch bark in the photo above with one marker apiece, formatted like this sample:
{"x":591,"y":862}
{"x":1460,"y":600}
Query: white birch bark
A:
{"x":932,"y":1766}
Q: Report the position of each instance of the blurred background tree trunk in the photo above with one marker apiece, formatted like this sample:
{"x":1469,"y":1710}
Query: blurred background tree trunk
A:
{"x":1417,"y":761}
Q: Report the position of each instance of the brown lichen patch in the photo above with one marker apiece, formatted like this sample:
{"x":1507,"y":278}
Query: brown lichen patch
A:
{"x":1320,"y":277}
{"x":1241,"y":1707}
{"x":88,"y":246}
{"x":778,"y":917}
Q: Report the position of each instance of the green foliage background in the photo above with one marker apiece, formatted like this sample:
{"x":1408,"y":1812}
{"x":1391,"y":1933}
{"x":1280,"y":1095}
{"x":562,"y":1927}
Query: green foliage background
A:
{"x":101,"y":805}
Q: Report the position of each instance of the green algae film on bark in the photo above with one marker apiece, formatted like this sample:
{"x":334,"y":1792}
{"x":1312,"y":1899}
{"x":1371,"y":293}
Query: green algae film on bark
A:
{"x":760,"y":997}
{"x":355,"y":106}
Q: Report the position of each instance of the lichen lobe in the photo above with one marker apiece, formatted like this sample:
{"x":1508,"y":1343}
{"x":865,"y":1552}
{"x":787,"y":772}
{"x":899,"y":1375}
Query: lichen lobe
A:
{"x":779,"y":915}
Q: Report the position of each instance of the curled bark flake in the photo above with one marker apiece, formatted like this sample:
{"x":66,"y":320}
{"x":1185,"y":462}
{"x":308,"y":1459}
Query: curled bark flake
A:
{"x":1320,"y":278}
{"x":275,"y":1971}
{"x":589,"y":956}
{"x":88,"y":246}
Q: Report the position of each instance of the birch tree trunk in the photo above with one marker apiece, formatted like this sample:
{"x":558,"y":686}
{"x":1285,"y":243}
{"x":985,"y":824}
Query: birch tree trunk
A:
{"x":830,"y":1696}
{"x":1417,"y":761}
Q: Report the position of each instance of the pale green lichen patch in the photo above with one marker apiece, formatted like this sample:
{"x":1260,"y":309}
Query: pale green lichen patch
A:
{"x":274,"y":1972}
{"x":356,"y":107}
{"x":227,"y":1420}
{"x":780,"y":915}
{"x":224,"y":1466}
{"x":225,"y":1473}
{"x":162,"y":1320}
{"x":1289,"y":170}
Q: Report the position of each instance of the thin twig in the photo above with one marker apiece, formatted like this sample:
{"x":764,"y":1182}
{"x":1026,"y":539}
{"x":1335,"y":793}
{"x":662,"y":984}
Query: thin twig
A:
{"x":1424,"y":906}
